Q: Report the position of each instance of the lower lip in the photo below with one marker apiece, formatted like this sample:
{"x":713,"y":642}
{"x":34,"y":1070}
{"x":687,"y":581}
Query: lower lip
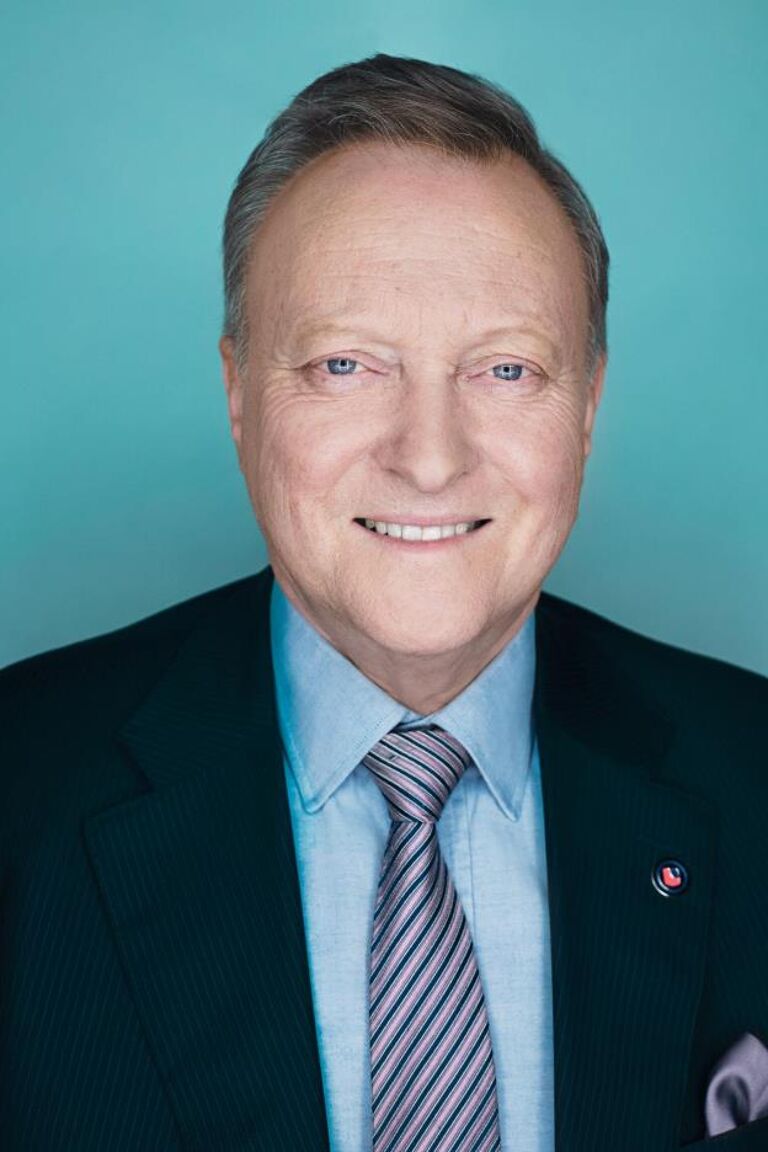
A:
{"x":422,"y":545}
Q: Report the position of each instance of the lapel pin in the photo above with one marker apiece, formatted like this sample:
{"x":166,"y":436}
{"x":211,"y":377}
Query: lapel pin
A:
{"x":670,"y":877}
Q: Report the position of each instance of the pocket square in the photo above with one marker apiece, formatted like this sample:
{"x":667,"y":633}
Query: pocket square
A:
{"x":737,"y":1092}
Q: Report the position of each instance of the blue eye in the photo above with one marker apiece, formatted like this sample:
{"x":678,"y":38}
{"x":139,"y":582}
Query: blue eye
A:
{"x":345,"y":362}
{"x":516,"y":371}
{"x":345,"y":366}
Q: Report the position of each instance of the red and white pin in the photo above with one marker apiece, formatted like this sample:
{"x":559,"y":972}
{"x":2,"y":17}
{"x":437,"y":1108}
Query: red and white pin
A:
{"x":670,"y":877}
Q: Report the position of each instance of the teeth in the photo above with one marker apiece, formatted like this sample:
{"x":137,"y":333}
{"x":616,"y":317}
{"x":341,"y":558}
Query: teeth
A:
{"x":416,"y":532}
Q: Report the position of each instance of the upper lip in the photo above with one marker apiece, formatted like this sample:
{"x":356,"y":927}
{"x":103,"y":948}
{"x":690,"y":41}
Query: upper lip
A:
{"x":424,"y":521}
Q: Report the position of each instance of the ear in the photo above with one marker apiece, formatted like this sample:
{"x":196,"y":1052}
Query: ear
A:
{"x":594,"y":394}
{"x":234,"y":385}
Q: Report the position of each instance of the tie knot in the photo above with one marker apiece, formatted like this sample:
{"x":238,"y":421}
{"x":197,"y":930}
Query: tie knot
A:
{"x":416,"y":770}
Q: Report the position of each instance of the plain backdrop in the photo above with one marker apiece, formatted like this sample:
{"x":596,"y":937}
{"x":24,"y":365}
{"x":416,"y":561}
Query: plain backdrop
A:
{"x":123,"y":129}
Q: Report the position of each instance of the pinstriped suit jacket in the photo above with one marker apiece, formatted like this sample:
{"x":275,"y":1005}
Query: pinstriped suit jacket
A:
{"x":154,"y":987}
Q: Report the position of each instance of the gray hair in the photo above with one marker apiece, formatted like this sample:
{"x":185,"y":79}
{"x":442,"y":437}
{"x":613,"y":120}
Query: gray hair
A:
{"x":401,"y":101}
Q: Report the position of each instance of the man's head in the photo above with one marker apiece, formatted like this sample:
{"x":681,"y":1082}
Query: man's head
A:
{"x":415,"y":334}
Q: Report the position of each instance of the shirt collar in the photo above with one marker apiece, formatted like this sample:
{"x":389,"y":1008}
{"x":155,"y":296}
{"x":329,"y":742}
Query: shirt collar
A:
{"x":330,"y":714}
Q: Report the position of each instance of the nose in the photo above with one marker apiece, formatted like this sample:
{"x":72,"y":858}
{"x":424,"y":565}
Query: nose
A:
{"x":429,"y":442}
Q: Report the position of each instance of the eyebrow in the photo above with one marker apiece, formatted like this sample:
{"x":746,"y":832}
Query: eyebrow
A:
{"x":328,"y":325}
{"x":332,"y":324}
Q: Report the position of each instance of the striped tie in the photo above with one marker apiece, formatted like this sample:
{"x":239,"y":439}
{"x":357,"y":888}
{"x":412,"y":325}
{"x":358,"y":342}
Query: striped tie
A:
{"x":432,"y":1075}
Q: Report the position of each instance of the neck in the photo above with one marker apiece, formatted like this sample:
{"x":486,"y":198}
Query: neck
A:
{"x":425,"y":684}
{"x":422,"y":682}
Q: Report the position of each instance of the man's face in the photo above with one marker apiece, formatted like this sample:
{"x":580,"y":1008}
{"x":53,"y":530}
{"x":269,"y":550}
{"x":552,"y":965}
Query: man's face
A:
{"x":417,"y":355}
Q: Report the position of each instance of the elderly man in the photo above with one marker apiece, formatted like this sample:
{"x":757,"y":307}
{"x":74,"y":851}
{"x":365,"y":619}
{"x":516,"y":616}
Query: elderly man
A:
{"x":384,"y":848}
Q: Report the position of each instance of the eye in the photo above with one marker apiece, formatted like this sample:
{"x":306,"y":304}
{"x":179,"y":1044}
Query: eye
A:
{"x":509,"y":371}
{"x":344,"y":364}
{"x":342,"y":373}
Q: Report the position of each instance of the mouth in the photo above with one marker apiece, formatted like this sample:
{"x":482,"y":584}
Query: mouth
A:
{"x":421,"y":533}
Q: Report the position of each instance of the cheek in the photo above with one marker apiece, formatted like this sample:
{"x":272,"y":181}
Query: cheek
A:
{"x":297,"y":454}
{"x":542,"y":458}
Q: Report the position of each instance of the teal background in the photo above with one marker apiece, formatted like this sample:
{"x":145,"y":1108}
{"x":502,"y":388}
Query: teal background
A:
{"x":123,"y":128}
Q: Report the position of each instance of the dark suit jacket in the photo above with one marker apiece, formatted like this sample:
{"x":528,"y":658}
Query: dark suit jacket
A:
{"x":155,"y":990}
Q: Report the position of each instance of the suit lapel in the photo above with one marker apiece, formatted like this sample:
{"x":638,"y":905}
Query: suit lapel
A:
{"x":627,"y":962}
{"x":199,"y":880}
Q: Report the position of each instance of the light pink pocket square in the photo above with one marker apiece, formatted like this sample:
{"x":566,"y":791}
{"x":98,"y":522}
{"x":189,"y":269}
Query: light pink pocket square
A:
{"x":737,"y":1092}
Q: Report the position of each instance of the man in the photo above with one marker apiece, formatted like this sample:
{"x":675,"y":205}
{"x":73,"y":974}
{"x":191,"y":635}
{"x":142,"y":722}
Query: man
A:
{"x":384,"y":847}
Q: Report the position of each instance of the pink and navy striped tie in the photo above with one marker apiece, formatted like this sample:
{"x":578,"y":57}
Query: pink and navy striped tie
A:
{"x":433,"y":1080}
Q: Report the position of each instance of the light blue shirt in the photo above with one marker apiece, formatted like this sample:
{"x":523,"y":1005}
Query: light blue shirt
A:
{"x":491,"y":834}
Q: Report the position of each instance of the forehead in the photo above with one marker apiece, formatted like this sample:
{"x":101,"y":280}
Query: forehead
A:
{"x":406,"y":227}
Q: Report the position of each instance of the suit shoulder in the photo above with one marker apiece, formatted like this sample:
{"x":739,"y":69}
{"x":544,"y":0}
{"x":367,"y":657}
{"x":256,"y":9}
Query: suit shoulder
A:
{"x":104,"y":676}
{"x":61,"y":710}
{"x":678,"y":674}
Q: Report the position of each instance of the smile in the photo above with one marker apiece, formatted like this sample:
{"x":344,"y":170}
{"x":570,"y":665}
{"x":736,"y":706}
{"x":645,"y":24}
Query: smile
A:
{"x":421,"y":532}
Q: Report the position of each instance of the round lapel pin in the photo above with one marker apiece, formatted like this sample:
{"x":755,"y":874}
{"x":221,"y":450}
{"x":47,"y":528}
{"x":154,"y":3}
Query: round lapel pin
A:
{"x":670,"y":877}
